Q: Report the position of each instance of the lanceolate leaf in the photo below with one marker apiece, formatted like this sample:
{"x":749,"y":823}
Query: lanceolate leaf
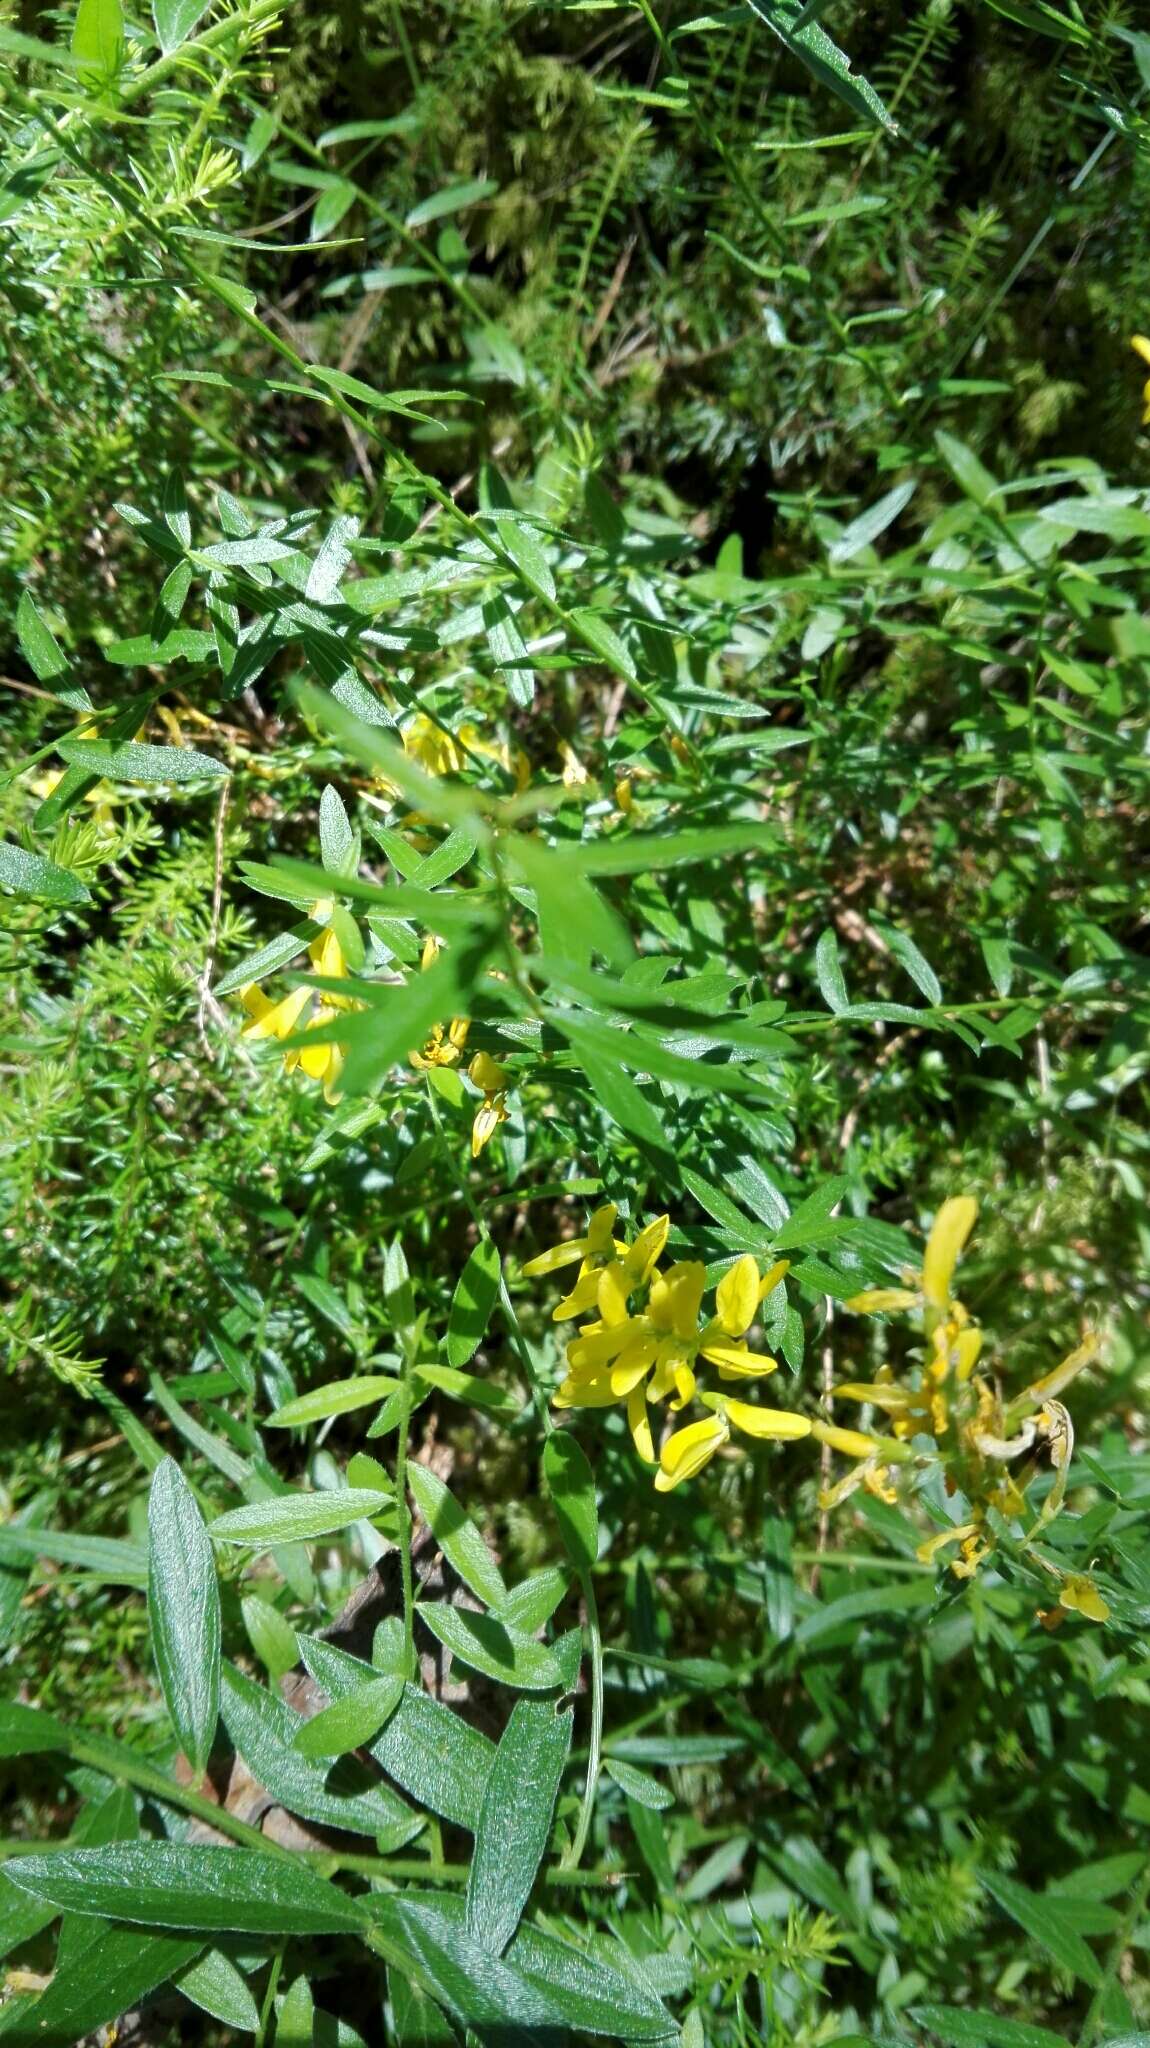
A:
{"x":175,"y":20}
{"x":298,"y":1517}
{"x":457,"y":1536}
{"x":172,"y":1884}
{"x":103,"y":1972}
{"x":184,"y":1611}
{"x":492,"y":1647}
{"x":515,"y":1822}
{"x":31,"y":874}
{"x":476,"y":1292}
{"x":428,"y":1750}
{"x":264,"y":1730}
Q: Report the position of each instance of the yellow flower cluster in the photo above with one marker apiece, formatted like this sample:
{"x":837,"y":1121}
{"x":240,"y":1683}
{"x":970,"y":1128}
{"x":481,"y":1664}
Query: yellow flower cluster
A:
{"x":280,"y":1020}
{"x":645,"y":1342}
{"x":990,"y":1451}
{"x":445,"y":1049}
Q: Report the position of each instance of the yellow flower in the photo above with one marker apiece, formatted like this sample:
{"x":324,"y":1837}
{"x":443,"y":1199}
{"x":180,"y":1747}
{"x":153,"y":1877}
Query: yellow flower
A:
{"x":1140,"y":343}
{"x":777,"y":1425}
{"x":493,"y":1079}
{"x":1078,"y":1593}
{"x":440,"y":1049}
{"x":685,"y":1454}
{"x":279,"y":1020}
{"x":598,"y":1244}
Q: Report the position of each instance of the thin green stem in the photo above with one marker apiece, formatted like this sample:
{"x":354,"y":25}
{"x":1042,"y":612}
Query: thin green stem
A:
{"x":404,"y":1511}
{"x":595,"y":1747}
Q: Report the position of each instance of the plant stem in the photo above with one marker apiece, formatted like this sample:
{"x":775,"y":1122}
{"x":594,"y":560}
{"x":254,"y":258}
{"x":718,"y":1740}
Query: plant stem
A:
{"x":595,"y":1747}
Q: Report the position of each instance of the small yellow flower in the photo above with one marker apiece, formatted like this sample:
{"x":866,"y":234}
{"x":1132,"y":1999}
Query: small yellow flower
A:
{"x":493,"y":1079}
{"x":1078,"y":1593}
{"x":775,"y":1425}
{"x":279,"y":1020}
{"x":685,"y":1454}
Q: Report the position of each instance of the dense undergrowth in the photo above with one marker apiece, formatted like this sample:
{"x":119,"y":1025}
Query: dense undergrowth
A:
{"x":577,"y":586}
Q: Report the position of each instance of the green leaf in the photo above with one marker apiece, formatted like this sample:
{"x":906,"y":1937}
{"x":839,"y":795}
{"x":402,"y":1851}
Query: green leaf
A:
{"x":44,"y":656}
{"x":98,"y":38}
{"x":639,"y":1785}
{"x":574,"y":921}
{"x":491,"y":1647}
{"x":104,"y":1972}
{"x":132,"y":763}
{"x":592,"y":1996}
{"x":298,"y":1517}
{"x":175,"y":20}
{"x":571,"y":1484}
{"x":269,"y":958}
{"x":337,"y":842}
{"x":452,"y":199}
{"x":788,"y":19}
{"x":509,"y":650}
{"x":173,"y":1884}
{"x":515,"y":1821}
{"x":456,"y":1534}
{"x":917,"y":966}
{"x":122,"y":1564}
{"x":295,"y":2016}
{"x":593,"y":630}
{"x":338,"y":1397}
{"x":25,"y":1731}
{"x":961,"y":2028}
{"x":216,"y":1986}
{"x":350,"y":1723}
{"x":523,"y":544}
{"x":30,"y":874}
{"x":330,"y":207}
{"x":844,"y":1614}
{"x":437,"y":1758}
{"x":264,"y":1729}
{"x":424,"y":1935}
{"x":418,"y":2021}
{"x":184,"y":1612}
{"x":468,"y":1387}
{"x":1048,"y":1920}
{"x":966,"y":469}
{"x":640,"y":853}
{"x":865,"y":530}
{"x":829,"y":974}
{"x":476,"y":1292}
{"x":616,"y":1093}
{"x":272,"y":1637}
{"x":532,"y":1603}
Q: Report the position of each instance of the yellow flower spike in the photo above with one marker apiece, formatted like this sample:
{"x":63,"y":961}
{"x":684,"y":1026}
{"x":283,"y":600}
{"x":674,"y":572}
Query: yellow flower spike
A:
{"x":882,"y":1301}
{"x":771,"y":1278}
{"x":737,"y":1296}
{"x":640,"y":1425}
{"x":1078,"y":1593}
{"x":780,"y":1425}
{"x":948,"y":1233}
{"x":685,"y":1454}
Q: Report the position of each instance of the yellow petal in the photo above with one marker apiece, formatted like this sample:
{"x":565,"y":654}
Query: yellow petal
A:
{"x":770,"y":1279}
{"x":430,"y":953}
{"x":882,"y":1301}
{"x":254,"y":1001}
{"x":928,"y":1551}
{"x":596,"y":1348}
{"x":893,"y":1400}
{"x":315,"y":1060}
{"x":550,"y":1261}
{"x":1054,"y":1381}
{"x":780,"y":1424}
{"x":736,"y":1362}
{"x":613,"y":1285}
{"x":632,"y":1366}
{"x":967,"y":1346}
{"x":686,"y":1453}
{"x":948,"y":1233}
{"x":737,"y":1296}
{"x":1081,"y":1596}
{"x":852,"y":1442}
{"x":326,"y":956}
{"x":1140,"y":343}
{"x":594,"y":1391}
{"x":331,"y":1088}
{"x":600,"y":1239}
{"x":488,"y":1118}
{"x":640,"y":1425}
{"x":280,"y":1020}
{"x":648,"y":1246}
{"x":675,"y":1298}
{"x":580,"y":1301}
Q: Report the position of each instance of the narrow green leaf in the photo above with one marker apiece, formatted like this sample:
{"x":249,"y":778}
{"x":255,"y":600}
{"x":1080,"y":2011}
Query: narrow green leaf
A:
{"x":184,"y":1612}
{"x":1045,"y":1919}
{"x":271,"y":1636}
{"x":476,"y":1292}
{"x":515,"y":1821}
{"x":829,"y":973}
{"x":98,"y":39}
{"x":437,"y":1758}
{"x":101,"y":1972}
{"x":173,"y":1884}
{"x":264,"y":1729}
{"x":350,"y":1723}
{"x":417,"y":2019}
{"x":593,"y":630}
{"x":592,"y":1996}
{"x":132,"y":763}
{"x":456,"y":1534}
{"x":571,"y":1484}
{"x":789,"y":20}
{"x":491,"y":1647}
{"x":31,"y":874}
{"x":298,"y":1517}
{"x":959,"y":2027}
{"x":25,"y":1731}
{"x":529,"y":1605}
{"x":216,"y":1986}
{"x":865,"y":530}
{"x":44,"y":656}
{"x":452,"y":199}
{"x":639,"y":1785}
{"x":338,"y":1397}
{"x":122,"y":1564}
